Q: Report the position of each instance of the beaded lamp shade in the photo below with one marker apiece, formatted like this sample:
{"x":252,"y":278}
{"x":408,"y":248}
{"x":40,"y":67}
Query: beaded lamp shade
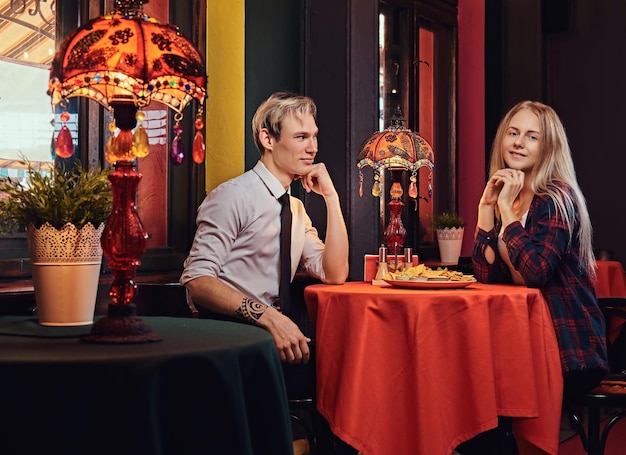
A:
{"x":125,"y":60}
{"x":129,"y":58}
{"x":398,"y":149}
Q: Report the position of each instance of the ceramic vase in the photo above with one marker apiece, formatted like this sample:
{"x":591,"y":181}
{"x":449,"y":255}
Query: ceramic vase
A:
{"x":66,"y":267}
{"x":450,"y":241}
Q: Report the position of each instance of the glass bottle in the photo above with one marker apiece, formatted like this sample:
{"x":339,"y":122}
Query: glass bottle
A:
{"x":382,"y":263}
{"x":408,"y":258}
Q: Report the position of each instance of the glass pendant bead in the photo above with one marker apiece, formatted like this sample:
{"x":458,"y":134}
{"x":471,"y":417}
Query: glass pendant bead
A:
{"x":177,"y":154}
{"x":56,"y":97}
{"x":376,"y":188}
{"x":64,"y":147}
{"x":65,"y":116}
{"x":360,"y":184}
{"x":176,"y":151}
{"x":110,"y":150}
{"x":412,"y":189}
{"x":199,"y":148}
{"x":430,"y":184}
{"x":141,"y":145}
{"x":53,"y":153}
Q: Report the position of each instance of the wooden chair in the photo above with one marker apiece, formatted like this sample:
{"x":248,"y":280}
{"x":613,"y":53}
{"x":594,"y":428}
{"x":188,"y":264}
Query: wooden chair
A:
{"x":610,"y":395}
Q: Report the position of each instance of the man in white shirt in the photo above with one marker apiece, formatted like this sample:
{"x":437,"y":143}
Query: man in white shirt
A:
{"x":233,"y":267}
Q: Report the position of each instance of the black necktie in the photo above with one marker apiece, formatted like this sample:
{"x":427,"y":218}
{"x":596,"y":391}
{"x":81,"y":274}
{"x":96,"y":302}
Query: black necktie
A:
{"x":285,"y":253}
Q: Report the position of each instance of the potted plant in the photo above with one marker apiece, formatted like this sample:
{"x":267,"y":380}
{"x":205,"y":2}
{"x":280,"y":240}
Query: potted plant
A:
{"x":449,"y":227}
{"x":63,"y":212}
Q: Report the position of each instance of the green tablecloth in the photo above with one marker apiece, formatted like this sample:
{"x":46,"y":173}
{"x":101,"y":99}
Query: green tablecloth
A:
{"x":210,"y":387}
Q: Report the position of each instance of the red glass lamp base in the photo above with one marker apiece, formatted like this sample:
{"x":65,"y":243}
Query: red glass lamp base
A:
{"x":121,"y":326}
{"x":123,"y":243}
{"x":395,"y":233}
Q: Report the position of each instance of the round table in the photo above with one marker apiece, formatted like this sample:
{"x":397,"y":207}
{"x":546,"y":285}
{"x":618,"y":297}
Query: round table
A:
{"x":404,"y":371}
{"x":208,"y":387}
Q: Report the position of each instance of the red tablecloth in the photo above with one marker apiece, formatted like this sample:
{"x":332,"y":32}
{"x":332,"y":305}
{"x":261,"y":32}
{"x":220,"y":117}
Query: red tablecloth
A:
{"x":418,"y":372}
{"x":611,"y":281}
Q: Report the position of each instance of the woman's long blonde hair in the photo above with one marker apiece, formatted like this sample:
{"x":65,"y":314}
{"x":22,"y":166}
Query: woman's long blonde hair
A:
{"x":555,"y":166}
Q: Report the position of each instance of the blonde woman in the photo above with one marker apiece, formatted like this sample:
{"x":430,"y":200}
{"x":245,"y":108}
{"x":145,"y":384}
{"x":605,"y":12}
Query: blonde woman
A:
{"x":533,"y":229}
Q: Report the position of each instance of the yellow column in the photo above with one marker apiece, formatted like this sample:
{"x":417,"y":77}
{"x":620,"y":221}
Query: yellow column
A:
{"x":225,"y":109}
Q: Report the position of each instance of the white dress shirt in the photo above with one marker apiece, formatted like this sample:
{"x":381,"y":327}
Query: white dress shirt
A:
{"x":237,"y":236}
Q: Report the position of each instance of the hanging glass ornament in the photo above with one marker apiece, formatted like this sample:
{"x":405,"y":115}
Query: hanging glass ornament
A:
{"x":412,"y":186}
{"x":110,"y":148}
{"x":176,"y":151}
{"x":53,"y":145}
{"x":430,"y":184}
{"x":53,"y":154}
{"x":199,"y":148}
{"x":360,"y":183}
{"x":141,"y":144}
{"x":376,"y":186}
{"x":64,"y":145}
{"x":199,"y":145}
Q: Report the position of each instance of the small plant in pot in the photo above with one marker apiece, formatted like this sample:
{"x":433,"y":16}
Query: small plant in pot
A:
{"x":448,"y":220}
{"x":63,"y":212}
{"x":449,"y":227}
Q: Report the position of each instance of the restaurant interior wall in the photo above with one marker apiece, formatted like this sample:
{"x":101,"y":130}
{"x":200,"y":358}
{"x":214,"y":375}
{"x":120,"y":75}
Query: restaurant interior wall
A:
{"x":575,"y":69}
{"x":341,"y":74}
{"x":566,"y":54}
{"x":274,"y":59}
{"x":586,"y":85}
{"x":331,"y":62}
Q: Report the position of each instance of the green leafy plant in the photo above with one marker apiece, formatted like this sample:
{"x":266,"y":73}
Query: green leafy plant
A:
{"x":447,"y":220}
{"x":77,"y":195}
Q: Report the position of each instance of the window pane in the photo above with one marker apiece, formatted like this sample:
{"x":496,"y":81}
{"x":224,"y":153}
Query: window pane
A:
{"x":27,"y":31}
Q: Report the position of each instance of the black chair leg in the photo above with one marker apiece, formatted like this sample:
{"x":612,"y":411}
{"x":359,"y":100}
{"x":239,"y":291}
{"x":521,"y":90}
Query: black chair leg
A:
{"x":310,"y":437}
{"x":578,"y":426}
{"x":607,"y":428}
{"x":593,"y":432}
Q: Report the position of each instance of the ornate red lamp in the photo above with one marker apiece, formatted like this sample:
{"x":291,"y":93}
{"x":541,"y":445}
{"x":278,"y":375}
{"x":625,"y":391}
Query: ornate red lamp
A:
{"x":397,"y":149}
{"x":125,"y":60}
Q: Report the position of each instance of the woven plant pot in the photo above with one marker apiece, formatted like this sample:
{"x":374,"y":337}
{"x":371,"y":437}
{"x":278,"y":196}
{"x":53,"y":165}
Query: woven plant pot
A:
{"x":66,"y":266}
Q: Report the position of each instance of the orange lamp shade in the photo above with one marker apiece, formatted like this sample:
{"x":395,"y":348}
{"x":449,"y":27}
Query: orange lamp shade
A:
{"x":395,"y":148}
{"x":133,"y":57}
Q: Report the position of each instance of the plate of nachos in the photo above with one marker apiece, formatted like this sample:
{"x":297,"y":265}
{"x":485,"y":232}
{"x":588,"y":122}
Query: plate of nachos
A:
{"x":423,"y":277}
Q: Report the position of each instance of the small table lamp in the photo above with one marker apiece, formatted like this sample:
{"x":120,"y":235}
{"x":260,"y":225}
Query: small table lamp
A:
{"x":398,"y":149}
{"x":125,"y":60}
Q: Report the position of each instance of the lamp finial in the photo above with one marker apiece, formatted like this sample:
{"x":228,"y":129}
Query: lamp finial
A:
{"x":130,"y":8}
{"x":397,"y":119}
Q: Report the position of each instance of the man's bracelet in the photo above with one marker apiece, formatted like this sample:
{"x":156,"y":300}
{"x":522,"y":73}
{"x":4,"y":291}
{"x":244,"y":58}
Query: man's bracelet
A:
{"x":250,"y":310}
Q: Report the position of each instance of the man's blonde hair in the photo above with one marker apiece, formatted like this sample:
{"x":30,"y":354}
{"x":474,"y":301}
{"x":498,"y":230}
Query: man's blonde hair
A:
{"x":272,"y":112}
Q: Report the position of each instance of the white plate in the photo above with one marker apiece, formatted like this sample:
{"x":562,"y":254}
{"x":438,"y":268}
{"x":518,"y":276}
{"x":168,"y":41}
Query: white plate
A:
{"x":411,"y":284}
